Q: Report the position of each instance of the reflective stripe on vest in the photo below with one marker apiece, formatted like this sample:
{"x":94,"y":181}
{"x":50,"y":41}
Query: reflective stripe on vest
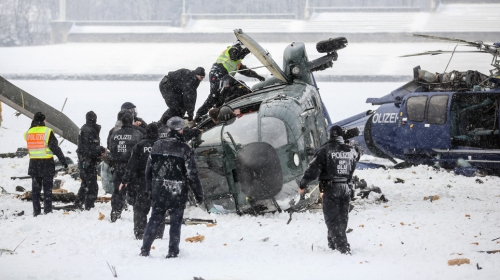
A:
{"x":37,"y":139}
{"x":230,"y":65}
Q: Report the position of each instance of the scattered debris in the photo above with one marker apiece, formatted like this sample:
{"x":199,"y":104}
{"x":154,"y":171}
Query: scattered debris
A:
{"x":190,"y":221}
{"x":399,"y":181}
{"x":198,"y":238}
{"x":456,"y":254}
{"x":361,"y":225}
{"x":20,"y":213}
{"x":490,"y":252}
{"x":479,"y":181}
{"x":431,"y":197}
{"x":478,"y":267}
{"x":20,"y":189}
{"x":449,"y":186}
{"x":59,"y":191}
{"x":349,"y":230}
{"x":103,"y":199}
{"x":211,"y":225}
{"x":475,"y":243}
{"x":198,"y":278}
{"x":113,"y":270}
{"x":265,"y":239}
{"x":495,"y":239}
{"x":402,"y":223}
{"x":467,"y":216}
{"x":101,"y":216}
{"x":225,"y":244}
{"x":458,"y":261}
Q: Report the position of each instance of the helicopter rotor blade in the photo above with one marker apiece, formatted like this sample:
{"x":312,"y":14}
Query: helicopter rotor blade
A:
{"x":476,"y":44}
{"x":438,"y":52}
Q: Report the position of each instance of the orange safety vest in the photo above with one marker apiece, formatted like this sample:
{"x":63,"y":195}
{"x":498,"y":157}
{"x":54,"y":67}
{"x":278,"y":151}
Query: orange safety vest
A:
{"x":37,"y":139}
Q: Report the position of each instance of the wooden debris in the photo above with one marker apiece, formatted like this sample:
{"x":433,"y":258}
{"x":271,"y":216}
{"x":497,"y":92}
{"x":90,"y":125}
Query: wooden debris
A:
{"x":65,"y":213}
{"x":458,"y":261}
{"x":402,"y":223}
{"x":467,"y":215}
{"x":101,"y":216}
{"x":198,"y":238}
{"x":475,"y":243}
{"x":60,"y":191}
{"x":432,"y":197}
{"x":103,"y":199}
{"x":361,"y":225}
{"x":211,"y":225}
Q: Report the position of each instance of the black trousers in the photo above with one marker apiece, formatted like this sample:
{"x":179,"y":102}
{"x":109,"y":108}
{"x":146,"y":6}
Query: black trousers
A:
{"x":141,"y":211}
{"x":118,"y":196}
{"x":37,"y":183}
{"x":175,"y":104}
{"x":215,"y":98}
{"x":87,"y":194}
{"x":336,"y":200}
{"x":158,"y":217}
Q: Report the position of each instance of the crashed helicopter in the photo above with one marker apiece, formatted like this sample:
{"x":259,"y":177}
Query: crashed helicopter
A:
{"x":253,"y":163}
{"x":448,"y":120}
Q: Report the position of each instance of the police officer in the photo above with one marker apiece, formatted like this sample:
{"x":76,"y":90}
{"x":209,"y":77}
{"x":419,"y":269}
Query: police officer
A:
{"x":42,"y":145}
{"x":232,"y":88}
{"x":170,"y":165}
{"x":228,"y":62}
{"x":122,"y":141}
{"x":188,"y":134}
{"x":138,"y":122}
{"x":89,"y":152}
{"x":178,"y":88}
{"x":136,"y":167}
{"x":334,"y":163}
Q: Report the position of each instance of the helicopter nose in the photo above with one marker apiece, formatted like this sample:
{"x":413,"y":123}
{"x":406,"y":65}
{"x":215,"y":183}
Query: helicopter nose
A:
{"x":259,"y":171}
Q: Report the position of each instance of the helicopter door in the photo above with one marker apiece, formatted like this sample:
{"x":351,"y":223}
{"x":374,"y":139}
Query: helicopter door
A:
{"x":428,"y":123}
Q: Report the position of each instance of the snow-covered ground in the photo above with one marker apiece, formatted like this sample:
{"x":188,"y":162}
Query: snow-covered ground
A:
{"x":156,"y":58}
{"x":408,"y":237}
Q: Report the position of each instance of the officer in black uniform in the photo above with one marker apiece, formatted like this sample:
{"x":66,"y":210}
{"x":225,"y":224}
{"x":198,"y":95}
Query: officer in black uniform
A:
{"x":178,"y":88}
{"x":232,"y":88}
{"x":136,"y":168}
{"x":334,"y":163}
{"x":89,"y":152}
{"x":170,"y":165}
{"x":122,"y":141}
{"x":228,"y":62}
{"x":189,"y":133}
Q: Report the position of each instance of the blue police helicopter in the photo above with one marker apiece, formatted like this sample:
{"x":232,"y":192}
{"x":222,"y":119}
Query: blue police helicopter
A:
{"x":447,"y":120}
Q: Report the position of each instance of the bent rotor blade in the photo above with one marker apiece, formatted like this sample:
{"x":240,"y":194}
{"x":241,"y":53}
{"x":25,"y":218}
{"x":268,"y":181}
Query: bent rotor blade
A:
{"x":438,"y":52}
{"x":448,"y":39}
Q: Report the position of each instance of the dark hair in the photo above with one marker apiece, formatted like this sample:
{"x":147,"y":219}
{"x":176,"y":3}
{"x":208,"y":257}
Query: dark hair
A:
{"x":213,"y":113}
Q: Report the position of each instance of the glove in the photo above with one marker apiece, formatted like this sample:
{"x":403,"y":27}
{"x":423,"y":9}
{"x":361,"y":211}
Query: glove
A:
{"x":190,"y":118}
{"x":65,"y":165}
{"x":261,"y":78}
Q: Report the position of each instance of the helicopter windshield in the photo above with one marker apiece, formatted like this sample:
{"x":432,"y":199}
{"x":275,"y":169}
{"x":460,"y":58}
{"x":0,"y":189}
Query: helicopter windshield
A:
{"x":242,"y":131}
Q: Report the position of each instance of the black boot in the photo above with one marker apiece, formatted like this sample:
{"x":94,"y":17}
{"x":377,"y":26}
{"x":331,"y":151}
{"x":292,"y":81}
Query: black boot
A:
{"x":144,"y":253}
{"x":171,"y":255}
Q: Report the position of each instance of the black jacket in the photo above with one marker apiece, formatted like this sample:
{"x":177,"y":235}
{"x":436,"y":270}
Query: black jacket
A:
{"x":136,"y":166}
{"x":183,"y":84}
{"x":234,"y":91}
{"x":171,"y":166}
{"x":334,"y":161}
{"x":122,"y":141}
{"x":118,"y":125}
{"x":46,"y":167}
{"x":89,"y":145}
